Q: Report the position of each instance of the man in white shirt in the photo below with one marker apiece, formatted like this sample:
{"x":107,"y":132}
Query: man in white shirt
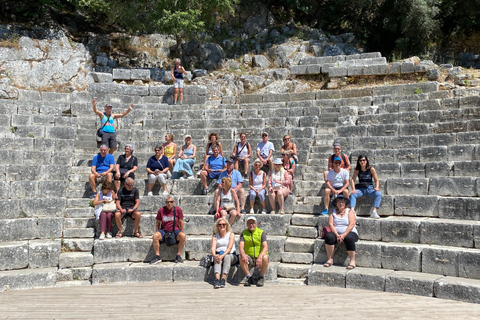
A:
{"x":265,"y":151}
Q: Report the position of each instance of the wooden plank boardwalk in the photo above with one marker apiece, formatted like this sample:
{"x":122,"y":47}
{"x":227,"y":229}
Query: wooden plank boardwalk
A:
{"x":181,"y":300}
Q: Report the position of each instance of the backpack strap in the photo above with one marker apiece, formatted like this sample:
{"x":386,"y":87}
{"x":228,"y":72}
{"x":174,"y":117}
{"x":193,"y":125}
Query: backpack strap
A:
{"x":174,"y":207}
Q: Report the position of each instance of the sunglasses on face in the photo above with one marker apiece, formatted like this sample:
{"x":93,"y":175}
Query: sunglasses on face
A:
{"x":169,"y":201}
{"x":221,"y":224}
{"x":363,"y":160}
{"x":130,"y":185}
{"x":337,"y":163}
{"x":156,"y":150}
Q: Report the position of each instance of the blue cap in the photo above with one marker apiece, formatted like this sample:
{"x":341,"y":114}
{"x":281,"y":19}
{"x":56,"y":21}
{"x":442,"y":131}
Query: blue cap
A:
{"x":337,"y":159}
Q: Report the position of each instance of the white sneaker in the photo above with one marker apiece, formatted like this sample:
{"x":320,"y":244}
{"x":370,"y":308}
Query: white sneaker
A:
{"x":251,"y":211}
{"x":191,"y":177}
{"x":165,"y":193}
{"x":109,"y":235}
{"x":102,"y":236}
{"x":374,"y":215}
{"x":150,"y":193}
{"x":272,"y":212}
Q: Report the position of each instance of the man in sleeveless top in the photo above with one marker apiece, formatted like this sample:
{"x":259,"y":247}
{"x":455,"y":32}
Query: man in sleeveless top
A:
{"x":237,"y":181}
{"x":109,"y":137}
{"x":253,"y":251}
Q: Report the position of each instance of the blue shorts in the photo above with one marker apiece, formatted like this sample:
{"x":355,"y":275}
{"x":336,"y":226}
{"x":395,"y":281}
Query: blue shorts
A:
{"x":162,"y":232}
{"x":214,"y":175}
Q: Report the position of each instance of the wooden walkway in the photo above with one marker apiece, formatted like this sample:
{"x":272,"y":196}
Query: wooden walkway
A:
{"x":200,"y":301}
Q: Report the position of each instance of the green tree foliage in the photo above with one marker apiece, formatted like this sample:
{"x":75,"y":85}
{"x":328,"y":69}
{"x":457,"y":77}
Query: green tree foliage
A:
{"x":183,"y":18}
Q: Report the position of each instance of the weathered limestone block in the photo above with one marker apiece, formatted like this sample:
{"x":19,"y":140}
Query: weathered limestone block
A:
{"x":140,"y":74}
{"x":400,"y":229}
{"x":448,"y":232}
{"x":453,"y":186}
{"x":75,"y":259}
{"x":466,"y":208}
{"x":292,"y":270}
{"x":102,"y":77}
{"x":410,"y":257}
{"x":369,"y":229}
{"x":299,"y":245}
{"x":440,"y":260}
{"x":438,"y":169}
{"x":43,"y":253}
{"x":369,"y":254}
{"x":451,"y":288}
{"x":302,"y":232}
{"x":297,"y":257}
{"x":189,"y":271}
{"x":328,"y":277}
{"x":367,"y":279}
{"x":397,"y":186}
{"x":468,"y":261}
{"x":14,"y":255}
{"x":121,"y":74}
{"x":28,"y":279}
{"x":407,"y":282}
{"x":416,"y":205}
{"x":131,"y":273}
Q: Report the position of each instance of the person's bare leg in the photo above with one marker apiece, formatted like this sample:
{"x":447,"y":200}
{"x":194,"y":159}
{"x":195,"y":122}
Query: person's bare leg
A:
{"x":326,"y":198}
{"x":118,"y":221}
{"x":203,"y":177}
{"x":181,"y":238}
{"x":117,"y":185}
{"x":264,"y":267}
{"x":245,"y":165}
{"x":271,"y":197}
{"x":280,"y":199}
{"x":157,"y":237}
{"x":137,"y":215}
{"x":181,"y":94}
{"x":175,"y":95}
{"x":91,"y":180}
{"x":241,"y":198}
{"x":351,"y":255}
{"x":233,"y":215}
{"x":330,"y":248}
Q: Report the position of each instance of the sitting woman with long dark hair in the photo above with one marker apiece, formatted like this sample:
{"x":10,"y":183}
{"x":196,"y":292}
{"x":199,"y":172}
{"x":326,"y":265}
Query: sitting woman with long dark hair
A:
{"x":366,"y":177}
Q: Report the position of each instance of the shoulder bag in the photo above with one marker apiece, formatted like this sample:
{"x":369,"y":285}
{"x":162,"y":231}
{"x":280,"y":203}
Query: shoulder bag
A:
{"x":170,"y":238}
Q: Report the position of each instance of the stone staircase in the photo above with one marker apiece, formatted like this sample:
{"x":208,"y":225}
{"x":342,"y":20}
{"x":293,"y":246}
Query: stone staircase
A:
{"x":423,"y":145}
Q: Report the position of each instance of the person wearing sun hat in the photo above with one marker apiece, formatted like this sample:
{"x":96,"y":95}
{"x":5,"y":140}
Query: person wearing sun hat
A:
{"x":342,"y":225}
{"x":253,"y":251}
{"x":337,"y":183}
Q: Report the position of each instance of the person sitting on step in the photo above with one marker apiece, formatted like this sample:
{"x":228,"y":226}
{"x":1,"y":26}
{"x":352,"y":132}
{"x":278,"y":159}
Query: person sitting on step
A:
{"x":241,"y":153}
{"x":289,"y":165}
{"x":226,"y":202}
{"x":213,"y":140}
{"x":214,"y":166}
{"x":186,"y":160}
{"x":289,"y":148}
{"x":236,"y":181}
{"x":279,"y":184}
{"x":157,"y":169}
{"x":102,"y":167}
{"x":257,"y":184}
{"x":128,"y":201}
{"x":342,"y":225}
{"x":344,"y":161}
{"x":170,"y":150}
{"x":127,"y":165}
{"x":366,"y":177}
{"x":104,"y":198}
{"x":253,"y":249}
{"x":169,"y":219}
{"x":223,"y":251}
{"x":337,"y":183}
{"x":265,"y":152}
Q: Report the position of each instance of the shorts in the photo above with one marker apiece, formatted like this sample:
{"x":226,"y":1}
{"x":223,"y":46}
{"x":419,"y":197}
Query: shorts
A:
{"x":161,"y":178}
{"x":101,"y":179}
{"x":252,"y":262}
{"x":110,"y":140}
{"x":162,"y":233}
{"x":130,"y":175}
{"x":214,"y":175}
{"x":128,"y":214}
{"x":178,"y":83}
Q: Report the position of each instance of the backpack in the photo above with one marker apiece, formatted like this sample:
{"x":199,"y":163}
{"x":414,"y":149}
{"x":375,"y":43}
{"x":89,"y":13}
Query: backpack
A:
{"x":342,"y":155}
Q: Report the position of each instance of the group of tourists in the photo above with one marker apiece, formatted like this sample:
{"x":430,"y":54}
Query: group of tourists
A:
{"x":274,"y":175}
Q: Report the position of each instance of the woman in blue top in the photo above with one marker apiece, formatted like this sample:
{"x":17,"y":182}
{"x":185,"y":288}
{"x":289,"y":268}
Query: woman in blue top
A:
{"x":106,"y":118}
{"x":177,"y":74}
{"x":366,"y":177}
{"x":186,"y":160}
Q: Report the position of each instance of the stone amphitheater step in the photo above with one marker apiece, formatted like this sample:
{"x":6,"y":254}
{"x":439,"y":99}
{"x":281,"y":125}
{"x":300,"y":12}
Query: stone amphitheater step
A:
{"x":293,"y":270}
{"x":75,"y":260}
{"x":28,"y":279}
{"x":415,"y":257}
{"x":29,"y":253}
{"x":291,"y":281}
{"x":422,"y":284}
{"x":126,"y":272}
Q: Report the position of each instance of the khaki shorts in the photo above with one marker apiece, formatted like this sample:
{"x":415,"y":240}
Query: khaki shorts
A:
{"x":102,"y":179}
